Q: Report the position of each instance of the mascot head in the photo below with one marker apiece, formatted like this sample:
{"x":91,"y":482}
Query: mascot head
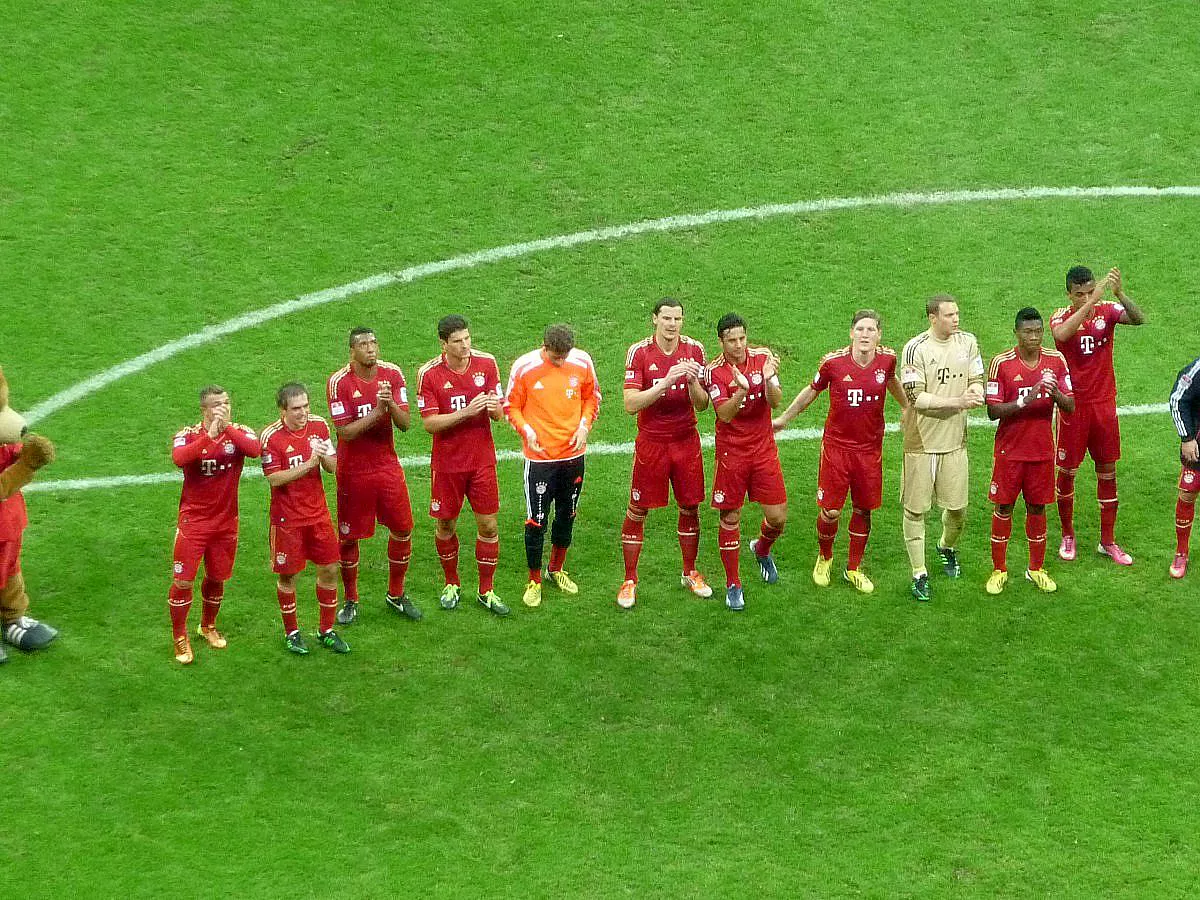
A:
{"x":12,"y":426}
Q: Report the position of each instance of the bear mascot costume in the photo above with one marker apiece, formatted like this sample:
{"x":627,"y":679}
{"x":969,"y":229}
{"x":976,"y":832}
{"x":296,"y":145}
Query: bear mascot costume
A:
{"x":21,"y":455}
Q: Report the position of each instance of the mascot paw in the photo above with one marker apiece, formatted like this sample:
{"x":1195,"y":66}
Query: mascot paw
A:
{"x":37,"y":451}
{"x":29,"y":634}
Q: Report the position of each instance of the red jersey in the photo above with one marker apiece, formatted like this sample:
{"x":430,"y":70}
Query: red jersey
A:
{"x":1089,"y":352}
{"x":299,"y":502}
{"x":211,"y":472}
{"x":468,"y":446}
{"x":749,"y":432}
{"x":352,"y":398}
{"x":1027,"y":436}
{"x":13,"y":517}
{"x":672,"y":414}
{"x":856,"y":397}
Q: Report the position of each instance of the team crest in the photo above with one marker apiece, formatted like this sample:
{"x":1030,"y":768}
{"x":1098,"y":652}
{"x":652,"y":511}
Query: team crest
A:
{"x":280,"y":559}
{"x":435,"y":505}
{"x":756,"y":378}
{"x":478,"y":379}
{"x":229,"y":448}
{"x":1100,"y":323}
{"x":178,"y":568}
{"x":718,"y":496}
{"x":541,"y":487}
{"x":573,"y":381}
{"x":344,"y":528}
{"x":1062,"y":454}
{"x":820,"y":494}
{"x":880,"y":377}
{"x":993,"y":490}
{"x":636,"y":494}
{"x":1189,"y":477}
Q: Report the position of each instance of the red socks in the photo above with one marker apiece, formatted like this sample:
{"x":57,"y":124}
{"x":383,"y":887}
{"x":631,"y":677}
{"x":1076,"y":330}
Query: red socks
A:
{"x":287,"y":608}
{"x":212,"y":592}
{"x":1035,"y":533}
{"x":729,"y":539}
{"x":632,"y":532}
{"x":1001,"y":532}
{"x":179,"y":602}
{"x":447,"y":551}
{"x":1184,"y":513}
{"x":558,"y":558}
{"x":860,"y":530}
{"x":826,"y":533}
{"x":1106,"y":493}
{"x":349,"y":554}
{"x":767,"y":536}
{"x":399,"y":553}
{"x":689,"y":538}
{"x":487,"y":554}
{"x":327,"y":606}
{"x":1065,"y":488}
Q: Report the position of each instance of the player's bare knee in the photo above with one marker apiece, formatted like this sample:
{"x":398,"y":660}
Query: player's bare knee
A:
{"x":860,"y":512}
{"x":914,"y":516}
{"x":287,"y":583}
{"x":400,"y":535}
{"x":1004,"y":510}
{"x":636,"y":512}
{"x":1035,"y":509}
{"x":1107,"y":468}
{"x":1188,"y":497}
{"x":487,"y":527}
{"x":731,"y":518}
{"x":445,"y":528}
{"x":829,"y":515}
{"x":182,"y":585}
{"x":327,"y":575}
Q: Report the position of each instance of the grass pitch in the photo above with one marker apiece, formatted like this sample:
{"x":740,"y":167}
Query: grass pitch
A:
{"x":167,"y":169}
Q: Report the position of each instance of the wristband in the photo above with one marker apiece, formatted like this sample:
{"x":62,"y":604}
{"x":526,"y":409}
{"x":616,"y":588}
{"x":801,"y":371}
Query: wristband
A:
{"x":1021,"y":401}
{"x":530,"y":434}
{"x":773,"y":381}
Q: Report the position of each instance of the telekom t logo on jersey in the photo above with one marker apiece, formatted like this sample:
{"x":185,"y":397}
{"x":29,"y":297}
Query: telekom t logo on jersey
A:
{"x":854,"y":396}
{"x":1087,"y":344}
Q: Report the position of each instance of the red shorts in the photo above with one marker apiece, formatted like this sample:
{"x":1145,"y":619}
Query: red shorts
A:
{"x":364,"y":498}
{"x":1189,"y":479}
{"x":448,"y":489}
{"x":738,"y":477}
{"x":1090,"y":429}
{"x":857,"y":472}
{"x":10,"y":560}
{"x":1014,"y":477}
{"x":294,"y":546}
{"x":217,"y":549}
{"x":662,"y":466}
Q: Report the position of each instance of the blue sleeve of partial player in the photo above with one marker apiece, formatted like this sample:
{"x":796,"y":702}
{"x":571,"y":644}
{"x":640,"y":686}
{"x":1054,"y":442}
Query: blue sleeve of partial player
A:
{"x":1185,"y":399}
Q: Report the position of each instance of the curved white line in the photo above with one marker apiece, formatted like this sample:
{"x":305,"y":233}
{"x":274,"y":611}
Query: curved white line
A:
{"x":510,"y":251}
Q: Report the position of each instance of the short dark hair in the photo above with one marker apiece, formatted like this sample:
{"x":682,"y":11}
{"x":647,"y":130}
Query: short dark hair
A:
{"x":1079,"y":275}
{"x":667,"y":301}
{"x":211,"y":390}
{"x":867,"y":314}
{"x":359,"y":331}
{"x":558,"y":338}
{"x":727,"y":321}
{"x":934,"y":304}
{"x":1027,"y":314}
{"x":289,"y":392}
{"x":447,"y":325}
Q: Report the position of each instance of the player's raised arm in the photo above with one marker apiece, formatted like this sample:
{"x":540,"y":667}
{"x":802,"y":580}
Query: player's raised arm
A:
{"x":1132,"y":313}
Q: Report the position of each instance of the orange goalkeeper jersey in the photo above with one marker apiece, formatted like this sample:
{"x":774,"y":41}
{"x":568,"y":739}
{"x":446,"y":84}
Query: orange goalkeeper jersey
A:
{"x":552,"y":400}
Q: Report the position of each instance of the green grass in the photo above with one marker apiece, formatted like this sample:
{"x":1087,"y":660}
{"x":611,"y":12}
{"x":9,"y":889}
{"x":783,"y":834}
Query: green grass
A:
{"x":166,"y":169}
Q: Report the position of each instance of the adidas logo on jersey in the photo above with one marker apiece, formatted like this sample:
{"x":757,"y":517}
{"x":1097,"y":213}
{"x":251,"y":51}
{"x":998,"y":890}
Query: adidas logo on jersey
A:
{"x":653,"y":367}
{"x":357,"y":394}
{"x":447,"y":386}
{"x":847,"y":378}
{"x":1018,"y":377}
{"x":538,"y":386}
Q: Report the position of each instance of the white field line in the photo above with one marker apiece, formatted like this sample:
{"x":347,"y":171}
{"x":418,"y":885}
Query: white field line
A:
{"x":511,"y":251}
{"x":419,"y":462}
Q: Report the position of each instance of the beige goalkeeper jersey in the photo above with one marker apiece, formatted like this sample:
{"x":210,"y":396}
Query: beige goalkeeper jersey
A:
{"x":945,"y":369}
